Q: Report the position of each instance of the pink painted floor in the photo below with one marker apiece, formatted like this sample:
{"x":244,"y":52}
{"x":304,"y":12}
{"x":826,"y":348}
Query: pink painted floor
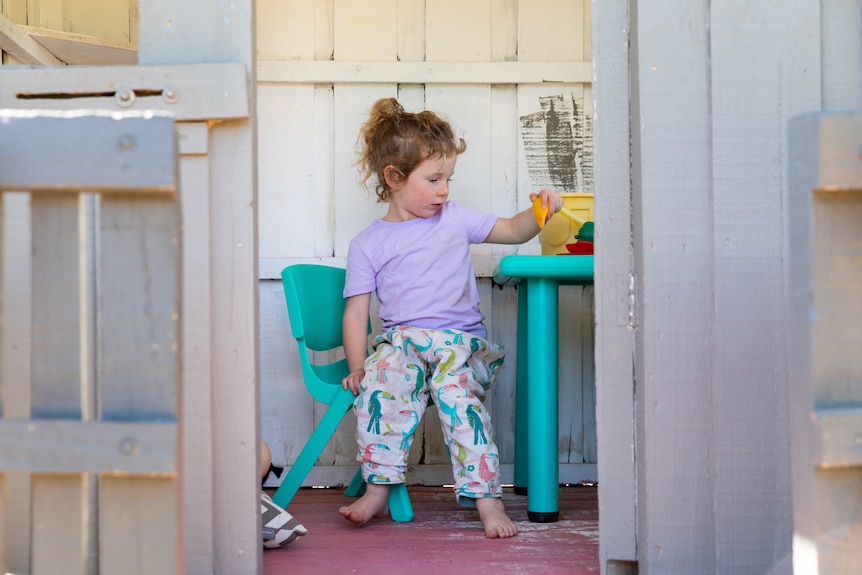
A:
{"x":442,"y":538}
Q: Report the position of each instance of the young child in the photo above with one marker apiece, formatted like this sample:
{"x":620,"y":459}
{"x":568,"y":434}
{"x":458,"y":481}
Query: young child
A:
{"x":433,"y":342}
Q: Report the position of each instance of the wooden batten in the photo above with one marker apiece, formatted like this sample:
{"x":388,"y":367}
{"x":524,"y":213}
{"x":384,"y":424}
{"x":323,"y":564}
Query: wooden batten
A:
{"x":15,"y":41}
{"x":44,"y":47}
{"x":334,"y":72}
{"x":189,"y":92}
{"x":80,"y":49}
{"x":112,"y":447}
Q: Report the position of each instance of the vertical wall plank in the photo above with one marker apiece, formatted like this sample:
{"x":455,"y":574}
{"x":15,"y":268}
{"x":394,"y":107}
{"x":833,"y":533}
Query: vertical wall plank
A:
{"x":197,"y":427}
{"x":502,"y":326}
{"x":468,"y":109}
{"x":112,"y":23}
{"x":139,"y":278}
{"x":355,"y":208}
{"x":749,"y":159}
{"x":411,"y":30}
{"x":285,"y":403}
{"x":286,"y":159}
{"x":284,"y":33}
{"x":88,"y":216}
{"x":552,"y":30}
{"x":321,"y":187}
{"x":57,"y":349}
{"x":16,"y":298}
{"x":16,"y":10}
{"x":503,"y":177}
{"x":324,"y":29}
{"x":131,"y":530}
{"x":365,"y":30}
{"x":472,"y":28}
{"x":199,"y":31}
{"x":139,"y":373}
{"x":47,"y":14}
{"x":236,"y":394}
{"x":588,"y":33}
{"x":59,"y":524}
{"x":4,"y":527}
{"x":673,"y":359}
{"x":58,"y":336}
{"x":570,"y":374}
{"x":586,"y":312}
{"x":615,"y":418}
{"x":504,"y":30}
{"x":16,"y":376}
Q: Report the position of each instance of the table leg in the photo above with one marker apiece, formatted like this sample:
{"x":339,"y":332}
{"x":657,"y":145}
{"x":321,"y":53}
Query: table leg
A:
{"x":521,"y":395}
{"x":543,"y":404}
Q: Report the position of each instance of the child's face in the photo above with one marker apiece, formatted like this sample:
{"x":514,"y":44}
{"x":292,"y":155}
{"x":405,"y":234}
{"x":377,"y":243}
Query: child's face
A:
{"x":424,"y":192}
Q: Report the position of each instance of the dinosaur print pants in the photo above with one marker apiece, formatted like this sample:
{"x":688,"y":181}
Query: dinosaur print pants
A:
{"x":407,"y":367}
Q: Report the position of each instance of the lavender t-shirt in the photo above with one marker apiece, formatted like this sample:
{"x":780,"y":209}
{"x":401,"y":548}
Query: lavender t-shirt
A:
{"x":421,"y":269}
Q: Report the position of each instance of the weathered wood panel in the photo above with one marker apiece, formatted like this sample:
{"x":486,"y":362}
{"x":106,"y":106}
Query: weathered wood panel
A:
{"x":749,"y":399}
{"x":119,"y":362}
{"x":224,"y":264}
{"x":190,"y":34}
{"x":614,"y":283}
{"x":673,"y":265}
{"x":190,"y":92}
{"x":57,"y":346}
{"x":198,"y":420}
{"x":15,"y":391}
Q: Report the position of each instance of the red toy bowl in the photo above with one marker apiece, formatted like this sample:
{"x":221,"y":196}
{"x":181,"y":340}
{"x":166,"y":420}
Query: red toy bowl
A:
{"x":580,"y":247}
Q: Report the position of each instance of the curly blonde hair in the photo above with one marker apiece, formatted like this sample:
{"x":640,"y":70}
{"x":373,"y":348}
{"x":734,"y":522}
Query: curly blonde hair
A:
{"x":394,"y":137}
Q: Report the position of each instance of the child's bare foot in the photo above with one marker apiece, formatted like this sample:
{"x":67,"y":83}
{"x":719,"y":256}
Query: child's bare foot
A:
{"x":373,"y":503}
{"x":494,"y":518}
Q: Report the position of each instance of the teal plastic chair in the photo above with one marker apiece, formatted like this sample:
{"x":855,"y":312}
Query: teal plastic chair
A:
{"x":315,"y":304}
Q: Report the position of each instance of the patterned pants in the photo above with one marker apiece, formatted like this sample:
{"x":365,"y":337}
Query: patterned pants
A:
{"x":407,"y":367}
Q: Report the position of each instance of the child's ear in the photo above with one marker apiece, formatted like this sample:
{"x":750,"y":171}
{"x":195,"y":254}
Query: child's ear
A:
{"x":393,"y":176}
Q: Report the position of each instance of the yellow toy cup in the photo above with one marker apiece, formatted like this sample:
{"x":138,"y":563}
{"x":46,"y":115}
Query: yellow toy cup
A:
{"x":565,"y":224}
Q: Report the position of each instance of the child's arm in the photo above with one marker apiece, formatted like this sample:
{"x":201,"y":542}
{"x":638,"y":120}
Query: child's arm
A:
{"x":522,"y":226}
{"x":354,"y":327}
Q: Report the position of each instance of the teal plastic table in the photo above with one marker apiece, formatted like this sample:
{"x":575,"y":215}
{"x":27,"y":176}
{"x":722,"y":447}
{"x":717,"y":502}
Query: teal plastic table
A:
{"x":537,"y":472}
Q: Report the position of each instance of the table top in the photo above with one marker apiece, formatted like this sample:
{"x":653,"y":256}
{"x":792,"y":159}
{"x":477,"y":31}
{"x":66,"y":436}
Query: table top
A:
{"x":569,"y":269}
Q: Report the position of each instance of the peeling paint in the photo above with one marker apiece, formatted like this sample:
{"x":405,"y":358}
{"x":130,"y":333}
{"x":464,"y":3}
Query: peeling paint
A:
{"x":558,"y":141}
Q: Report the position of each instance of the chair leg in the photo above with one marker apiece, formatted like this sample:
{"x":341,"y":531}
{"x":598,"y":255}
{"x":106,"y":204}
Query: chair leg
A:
{"x":313,"y":447}
{"x":399,"y":503}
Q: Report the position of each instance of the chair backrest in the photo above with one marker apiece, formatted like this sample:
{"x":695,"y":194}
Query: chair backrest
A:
{"x":315,"y":304}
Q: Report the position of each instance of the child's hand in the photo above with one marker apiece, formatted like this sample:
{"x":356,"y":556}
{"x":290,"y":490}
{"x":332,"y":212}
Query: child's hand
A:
{"x":550,"y":199}
{"x":353,"y":379}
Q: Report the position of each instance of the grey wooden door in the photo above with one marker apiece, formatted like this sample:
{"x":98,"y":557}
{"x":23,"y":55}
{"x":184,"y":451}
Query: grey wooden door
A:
{"x":90,"y":378}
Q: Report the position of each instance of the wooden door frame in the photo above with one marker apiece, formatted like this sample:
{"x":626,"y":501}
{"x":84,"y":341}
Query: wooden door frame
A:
{"x":616,"y":319}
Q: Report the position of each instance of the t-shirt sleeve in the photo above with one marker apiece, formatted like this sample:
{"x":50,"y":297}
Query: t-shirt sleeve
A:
{"x":478,"y":224}
{"x":359,"y":277}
